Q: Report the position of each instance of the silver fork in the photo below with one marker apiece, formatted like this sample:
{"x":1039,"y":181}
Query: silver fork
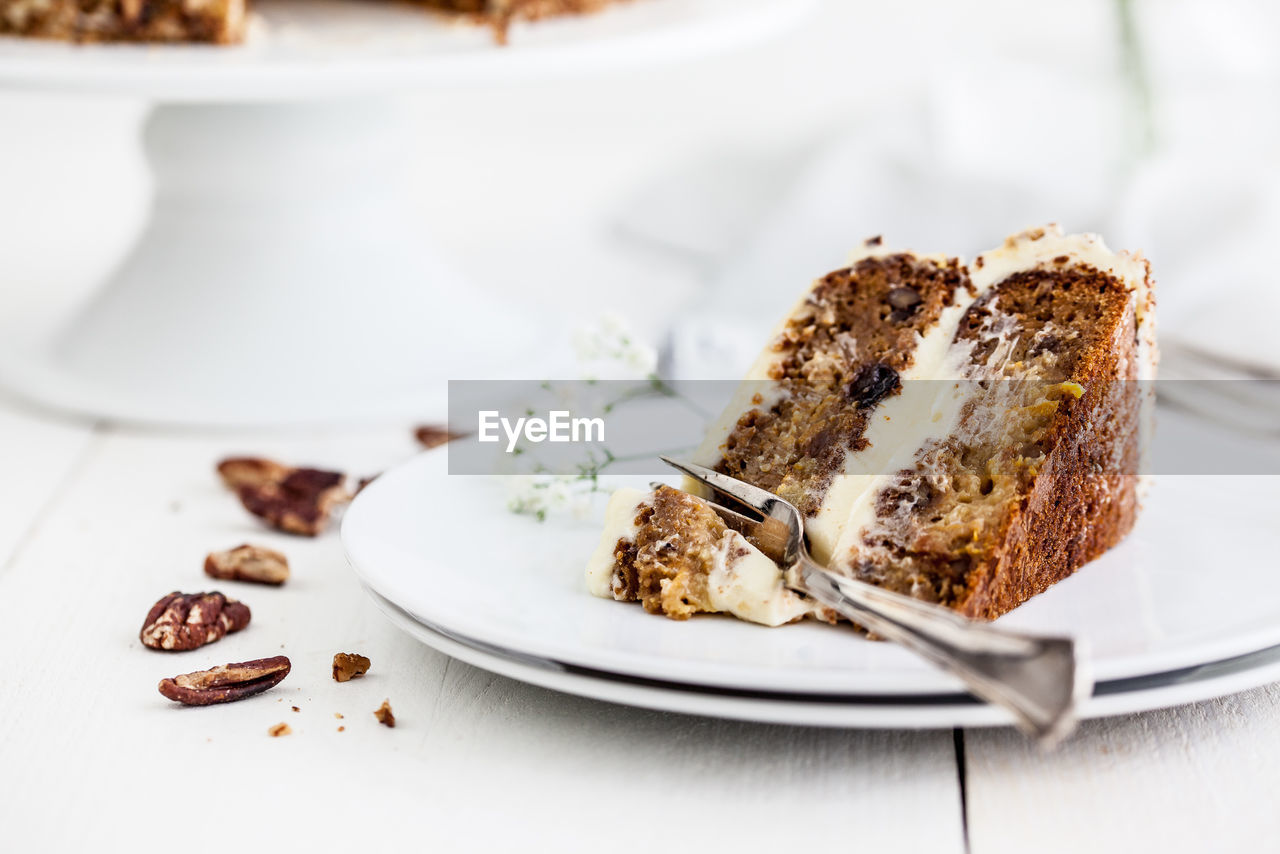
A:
{"x":1041,"y":680}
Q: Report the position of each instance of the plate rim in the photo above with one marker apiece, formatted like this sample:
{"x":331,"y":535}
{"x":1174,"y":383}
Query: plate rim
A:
{"x":876,"y":712}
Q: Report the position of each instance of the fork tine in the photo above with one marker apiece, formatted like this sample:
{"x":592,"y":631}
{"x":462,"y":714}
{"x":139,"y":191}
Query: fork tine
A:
{"x":778,"y":530}
{"x":727,"y":513}
{"x":753,"y":497}
{"x":742,"y":523}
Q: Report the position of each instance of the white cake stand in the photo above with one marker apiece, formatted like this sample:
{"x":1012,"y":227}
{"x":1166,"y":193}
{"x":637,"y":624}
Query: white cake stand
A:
{"x":279,"y":280}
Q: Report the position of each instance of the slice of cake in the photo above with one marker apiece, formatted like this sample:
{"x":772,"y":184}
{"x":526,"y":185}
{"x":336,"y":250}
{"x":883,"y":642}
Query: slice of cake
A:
{"x":217,"y":21}
{"x":967,"y":435}
{"x":501,"y":13}
{"x":223,"y":21}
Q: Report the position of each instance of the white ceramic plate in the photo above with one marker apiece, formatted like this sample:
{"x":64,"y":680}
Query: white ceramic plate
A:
{"x":1193,"y":584}
{"x":325,"y":48}
{"x":942,"y":712}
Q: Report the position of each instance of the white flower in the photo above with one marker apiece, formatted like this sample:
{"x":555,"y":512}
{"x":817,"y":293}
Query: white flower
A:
{"x":610,"y":341}
{"x":542,"y":495}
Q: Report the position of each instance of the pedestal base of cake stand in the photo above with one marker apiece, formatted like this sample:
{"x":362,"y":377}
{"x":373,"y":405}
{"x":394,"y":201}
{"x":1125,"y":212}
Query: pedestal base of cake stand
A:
{"x":278,"y":281}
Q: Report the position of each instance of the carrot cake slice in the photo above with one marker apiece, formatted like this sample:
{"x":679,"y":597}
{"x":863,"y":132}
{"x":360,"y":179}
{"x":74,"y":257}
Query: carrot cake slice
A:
{"x":965,"y":434}
{"x":216,"y":21}
{"x":223,"y":21}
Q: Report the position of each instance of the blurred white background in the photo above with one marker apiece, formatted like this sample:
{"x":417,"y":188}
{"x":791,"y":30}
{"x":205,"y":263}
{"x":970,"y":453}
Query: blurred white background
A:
{"x":576,"y":195}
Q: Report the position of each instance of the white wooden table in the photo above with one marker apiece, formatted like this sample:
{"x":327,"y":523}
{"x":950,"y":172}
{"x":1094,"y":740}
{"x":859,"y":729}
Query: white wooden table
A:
{"x":97,"y":522}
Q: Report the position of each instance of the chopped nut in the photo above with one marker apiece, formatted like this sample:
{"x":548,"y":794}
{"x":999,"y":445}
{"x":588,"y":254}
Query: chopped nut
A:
{"x":383,"y":714}
{"x":904,"y":297}
{"x":183,"y":621}
{"x":299,"y":504}
{"x":248,"y":563}
{"x":349,"y":665}
{"x":279,"y":730}
{"x":294,"y":500}
{"x":434,"y":435}
{"x":227,"y":682}
{"x":237,"y":472}
{"x":295,"y":708}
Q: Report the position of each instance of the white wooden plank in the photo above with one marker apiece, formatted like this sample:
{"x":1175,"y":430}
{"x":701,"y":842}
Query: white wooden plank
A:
{"x":39,"y":454}
{"x":1193,"y":778}
{"x":476,"y":762}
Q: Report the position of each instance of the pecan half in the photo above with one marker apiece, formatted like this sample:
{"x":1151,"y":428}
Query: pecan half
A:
{"x":294,"y":500}
{"x":248,"y":563}
{"x":299,"y":504}
{"x":383,"y":714}
{"x":226,"y":683}
{"x":433,"y":435}
{"x":183,"y":621}
{"x":349,"y":665}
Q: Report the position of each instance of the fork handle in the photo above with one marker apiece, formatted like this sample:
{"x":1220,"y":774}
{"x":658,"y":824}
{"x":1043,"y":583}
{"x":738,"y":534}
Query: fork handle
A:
{"x":1041,"y":680}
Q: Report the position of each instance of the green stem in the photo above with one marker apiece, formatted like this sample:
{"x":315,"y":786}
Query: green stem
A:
{"x":1137,"y":77}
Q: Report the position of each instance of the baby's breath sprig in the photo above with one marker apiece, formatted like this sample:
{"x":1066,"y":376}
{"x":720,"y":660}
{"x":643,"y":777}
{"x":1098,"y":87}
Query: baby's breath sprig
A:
{"x":607,"y":347}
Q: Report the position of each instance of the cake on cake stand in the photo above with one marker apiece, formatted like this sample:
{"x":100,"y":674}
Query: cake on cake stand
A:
{"x":279,"y":279}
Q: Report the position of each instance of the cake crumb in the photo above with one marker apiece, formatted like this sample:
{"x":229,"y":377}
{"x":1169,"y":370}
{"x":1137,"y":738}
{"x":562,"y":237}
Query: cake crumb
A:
{"x":279,"y":730}
{"x":338,"y":715}
{"x":342,"y":729}
{"x":295,"y":708}
{"x":348,"y":666}
{"x":435,"y":435}
{"x":383,"y":714}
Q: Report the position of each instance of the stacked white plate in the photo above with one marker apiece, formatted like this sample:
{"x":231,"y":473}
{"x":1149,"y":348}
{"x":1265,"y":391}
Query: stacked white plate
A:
{"x":1185,"y":609}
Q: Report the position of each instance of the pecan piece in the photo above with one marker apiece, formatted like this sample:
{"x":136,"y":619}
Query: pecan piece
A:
{"x":433,"y":435}
{"x":349,"y":665}
{"x":183,"y":621}
{"x":299,"y":504}
{"x":237,"y":472}
{"x":227,"y":682}
{"x":294,"y":500}
{"x":248,"y":563}
{"x":383,"y":714}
